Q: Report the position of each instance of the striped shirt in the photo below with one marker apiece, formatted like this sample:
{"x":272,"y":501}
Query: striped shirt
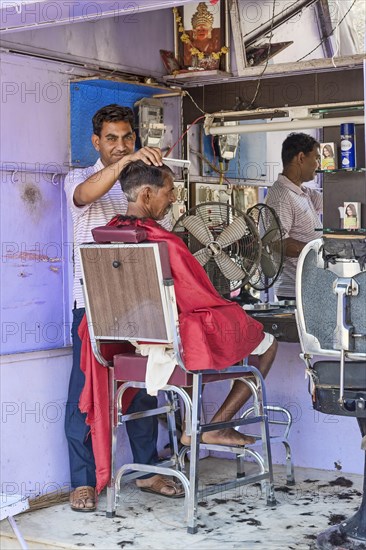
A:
{"x":96,"y":214}
{"x":298,"y":209}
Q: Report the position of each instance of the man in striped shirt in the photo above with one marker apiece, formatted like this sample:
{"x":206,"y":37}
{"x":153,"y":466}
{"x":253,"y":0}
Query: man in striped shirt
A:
{"x":94,"y":196}
{"x":297,"y":206}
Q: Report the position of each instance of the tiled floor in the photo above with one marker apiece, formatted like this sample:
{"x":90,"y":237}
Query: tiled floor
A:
{"x":235,"y":519}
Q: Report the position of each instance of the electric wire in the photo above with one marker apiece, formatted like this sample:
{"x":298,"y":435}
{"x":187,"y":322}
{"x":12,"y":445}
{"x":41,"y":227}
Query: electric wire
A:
{"x":212,"y":166}
{"x":193,"y":101}
{"x":268,"y":56}
{"x":184,"y":133}
{"x":331,"y":32}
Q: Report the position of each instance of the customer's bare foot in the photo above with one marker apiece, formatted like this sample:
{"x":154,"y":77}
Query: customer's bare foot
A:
{"x":227,"y":436}
{"x":185,"y":439}
{"x":161,"y":485}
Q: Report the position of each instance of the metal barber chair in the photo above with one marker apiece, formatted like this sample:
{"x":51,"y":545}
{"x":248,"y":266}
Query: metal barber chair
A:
{"x":331,"y":318}
{"x":129,"y":296}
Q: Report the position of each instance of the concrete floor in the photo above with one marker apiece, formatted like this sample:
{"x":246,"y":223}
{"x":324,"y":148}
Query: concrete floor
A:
{"x":234,"y":519}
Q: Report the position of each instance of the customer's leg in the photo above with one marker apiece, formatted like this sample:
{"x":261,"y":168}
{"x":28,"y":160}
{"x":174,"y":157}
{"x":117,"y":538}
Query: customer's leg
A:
{"x":237,"y":397}
{"x":143,"y":436}
{"x":81,"y":458}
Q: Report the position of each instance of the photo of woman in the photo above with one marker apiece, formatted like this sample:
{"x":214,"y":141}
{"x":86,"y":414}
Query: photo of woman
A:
{"x":351,"y":217}
{"x":328,"y":161}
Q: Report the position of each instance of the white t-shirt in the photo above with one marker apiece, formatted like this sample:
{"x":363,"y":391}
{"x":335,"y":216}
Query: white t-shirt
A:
{"x":298,"y":209}
{"x":96,"y":214}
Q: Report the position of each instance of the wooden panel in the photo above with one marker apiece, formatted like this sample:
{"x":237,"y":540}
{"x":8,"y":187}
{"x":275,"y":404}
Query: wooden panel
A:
{"x":125,"y":301}
{"x":279,"y":91}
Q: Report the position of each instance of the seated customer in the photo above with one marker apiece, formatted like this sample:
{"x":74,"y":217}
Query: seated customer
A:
{"x":215,"y":332}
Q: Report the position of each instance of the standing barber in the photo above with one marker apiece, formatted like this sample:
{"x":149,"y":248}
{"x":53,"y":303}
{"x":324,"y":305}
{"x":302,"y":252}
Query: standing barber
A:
{"x":94,"y":198}
{"x":297,"y":206}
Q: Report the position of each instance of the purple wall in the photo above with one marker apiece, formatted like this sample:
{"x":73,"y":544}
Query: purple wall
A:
{"x":130,"y":44}
{"x":317,"y":440}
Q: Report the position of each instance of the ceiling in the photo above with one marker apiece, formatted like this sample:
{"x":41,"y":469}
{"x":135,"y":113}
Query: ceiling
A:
{"x":28,"y":14}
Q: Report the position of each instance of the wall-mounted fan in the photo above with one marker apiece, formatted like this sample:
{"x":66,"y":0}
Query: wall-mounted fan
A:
{"x":224,"y":240}
{"x":235,"y":248}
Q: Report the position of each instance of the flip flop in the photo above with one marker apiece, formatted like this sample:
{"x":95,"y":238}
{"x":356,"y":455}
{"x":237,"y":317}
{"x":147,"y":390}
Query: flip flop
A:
{"x":159,"y":483}
{"x":84,"y":495}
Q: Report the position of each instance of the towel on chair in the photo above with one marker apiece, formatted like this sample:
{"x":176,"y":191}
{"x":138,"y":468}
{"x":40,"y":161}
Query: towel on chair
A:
{"x":160,"y":365}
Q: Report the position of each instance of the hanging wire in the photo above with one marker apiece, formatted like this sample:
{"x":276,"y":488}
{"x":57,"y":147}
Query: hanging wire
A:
{"x":331,"y":32}
{"x":212,"y":166}
{"x":184,"y":133}
{"x":193,"y":101}
{"x":268,"y":56}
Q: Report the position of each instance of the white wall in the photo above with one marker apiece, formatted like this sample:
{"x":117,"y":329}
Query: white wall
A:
{"x":129,"y":44}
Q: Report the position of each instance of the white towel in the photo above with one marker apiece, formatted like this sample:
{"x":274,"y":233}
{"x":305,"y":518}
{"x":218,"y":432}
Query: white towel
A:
{"x":160,"y":366}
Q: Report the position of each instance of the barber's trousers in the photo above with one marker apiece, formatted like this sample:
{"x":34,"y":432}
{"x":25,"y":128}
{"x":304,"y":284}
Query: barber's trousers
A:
{"x":142,"y":433}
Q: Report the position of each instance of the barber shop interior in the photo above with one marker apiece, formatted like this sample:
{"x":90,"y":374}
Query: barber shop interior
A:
{"x":183,"y":283}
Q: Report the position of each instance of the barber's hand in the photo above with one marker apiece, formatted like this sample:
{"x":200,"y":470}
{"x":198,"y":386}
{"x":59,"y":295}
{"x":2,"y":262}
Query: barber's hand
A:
{"x":149,"y":155}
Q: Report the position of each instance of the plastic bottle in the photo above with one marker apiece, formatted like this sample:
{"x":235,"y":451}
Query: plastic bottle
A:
{"x":348,"y":145}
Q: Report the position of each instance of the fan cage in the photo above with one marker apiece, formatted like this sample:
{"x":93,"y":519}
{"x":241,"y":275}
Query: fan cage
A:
{"x":271,"y":234}
{"x":244,"y":252}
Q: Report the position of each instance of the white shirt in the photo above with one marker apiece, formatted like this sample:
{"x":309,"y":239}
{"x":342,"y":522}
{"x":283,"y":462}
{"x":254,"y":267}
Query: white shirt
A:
{"x":298,"y":209}
{"x":96,"y":214}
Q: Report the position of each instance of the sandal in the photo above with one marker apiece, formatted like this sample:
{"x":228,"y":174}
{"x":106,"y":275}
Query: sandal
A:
{"x":158,"y":485}
{"x":83,"y":499}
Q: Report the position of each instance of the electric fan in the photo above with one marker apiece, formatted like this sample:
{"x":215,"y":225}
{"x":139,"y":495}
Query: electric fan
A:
{"x":272,"y":251}
{"x":224,"y":240}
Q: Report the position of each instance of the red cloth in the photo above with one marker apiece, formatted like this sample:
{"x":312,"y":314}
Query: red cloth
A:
{"x":215,"y":334}
{"x":94,"y":401}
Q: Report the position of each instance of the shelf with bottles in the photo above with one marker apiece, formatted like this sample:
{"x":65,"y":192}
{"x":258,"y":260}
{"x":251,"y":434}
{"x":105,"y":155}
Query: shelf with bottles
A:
{"x":335,"y":170}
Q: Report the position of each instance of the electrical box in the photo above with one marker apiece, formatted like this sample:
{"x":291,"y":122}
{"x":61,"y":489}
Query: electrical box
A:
{"x":180,"y":206}
{"x":150,"y":118}
{"x":210,"y":192}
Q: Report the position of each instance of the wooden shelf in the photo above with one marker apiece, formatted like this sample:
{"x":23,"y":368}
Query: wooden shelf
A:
{"x":341,"y":170}
{"x":196,"y":75}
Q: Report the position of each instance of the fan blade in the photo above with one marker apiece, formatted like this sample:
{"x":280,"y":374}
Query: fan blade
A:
{"x":233,"y":232}
{"x":230,"y":269}
{"x":202,"y":256}
{"x":272,"y":234}
{"x":198,"y":229}
{"x":267,"y":264}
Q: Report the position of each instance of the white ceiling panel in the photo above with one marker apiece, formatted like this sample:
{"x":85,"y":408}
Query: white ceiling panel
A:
{"x":27,"y":14}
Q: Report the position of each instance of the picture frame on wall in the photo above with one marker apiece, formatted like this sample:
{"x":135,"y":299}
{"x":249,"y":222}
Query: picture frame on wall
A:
{"x":202,"y":35}
{"x":169,"y":61}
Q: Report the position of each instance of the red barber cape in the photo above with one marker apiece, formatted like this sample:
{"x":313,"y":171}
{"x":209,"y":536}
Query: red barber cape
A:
{"x":215,"y":334}
{"x":94,"y":400}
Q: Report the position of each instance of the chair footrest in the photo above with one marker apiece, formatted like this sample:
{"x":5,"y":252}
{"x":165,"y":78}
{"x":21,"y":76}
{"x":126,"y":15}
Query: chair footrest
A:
{"x":230,"y":424}
{"x":222,"y":487}
{"x":236,"y":449}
